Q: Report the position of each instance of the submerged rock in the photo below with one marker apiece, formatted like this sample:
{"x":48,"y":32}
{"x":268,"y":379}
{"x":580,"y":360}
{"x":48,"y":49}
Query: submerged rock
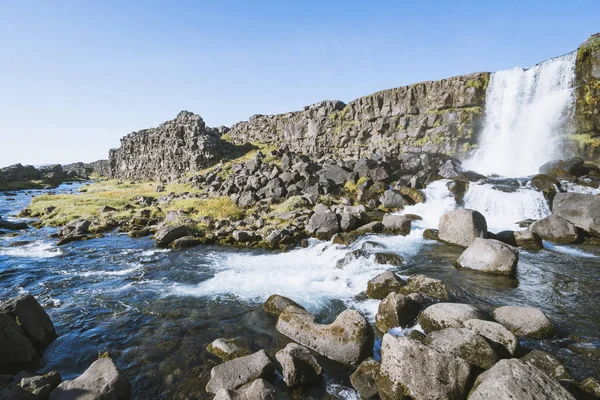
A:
{"x":258,"y":390}
{"x":463,"y":343}
{"x":448,"y":315}
{"x":504,"y":341}
{"x":102,"y":380}
{"x":383,"y":284}
{"x":236,"y":373}
{"x":515,"y":380}
{"x":462,"y":227}
{"x":364,"y":379}
{"x":490,"y":256}
{"x":228,"y":349}
{"x":525,"y":321}
{"x":299,"y":366}
{"x":410,"y":369}
{"x":347,"y":340}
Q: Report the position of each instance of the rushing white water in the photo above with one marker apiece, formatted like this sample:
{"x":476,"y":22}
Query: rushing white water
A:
{"x":527,"y":115}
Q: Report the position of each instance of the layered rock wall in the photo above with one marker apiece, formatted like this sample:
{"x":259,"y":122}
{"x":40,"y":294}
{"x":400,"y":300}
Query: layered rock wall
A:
{"x":436,"y":117}
{"x":587,"y":109}
{"x":100,"y":167}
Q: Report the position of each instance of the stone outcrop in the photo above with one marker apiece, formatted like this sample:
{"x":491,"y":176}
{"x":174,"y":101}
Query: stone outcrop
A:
{"x":168,"y":151}
{"x":17,"y":176}
{"x":100,"y":168}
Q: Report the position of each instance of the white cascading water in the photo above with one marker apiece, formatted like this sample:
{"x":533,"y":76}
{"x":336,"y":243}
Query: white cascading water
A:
{"x":526,"y":119}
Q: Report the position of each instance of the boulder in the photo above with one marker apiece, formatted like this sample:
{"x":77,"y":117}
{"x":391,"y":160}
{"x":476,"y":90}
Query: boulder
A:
{"x":502,"y":340}
{"x":32,"y":318}
{"x":185,"y":242}
{"x":228,"y":349}
{"x":75,"y":228}
{"x":395,"y":310}
{"x":490,"y":256}
{"x":463,"y":343}
{"x":16,"y":351}
{"x":364,"y":379}
{"x":392,"y":200}
{"x":40,"y":386}
{"x":169,"y":233}
{"x":347,"y":340}
{"x":239,"y":372}
{"x":12,"y":226}
{"x":582,"y":210}
{"x":433,"y":288}
{"x":383,"y":284}
{"x":299,"y":366}
{"x":258,"y":390}
{"x":323,"y":224}
{"x":515,"y":380}
{"x":448,"y":315}
{"x":555,"y":228}
{"x":102,"y":380}
{"x":462,"y":227}
{"x":389,"y":259}
{"x":547,"y":363}
{"x":528,"y":240}
{"x":396,"y":224}
{"x":525,"y":321}
{"x":275,"y":304}
{"x":414,"y":194}
{"x":241,"y":236}
{"x":591,"y":385}
{"x":412,"y":370}
{"x":350,"y":257}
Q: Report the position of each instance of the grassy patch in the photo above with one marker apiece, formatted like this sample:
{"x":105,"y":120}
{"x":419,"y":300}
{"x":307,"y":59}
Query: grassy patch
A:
{"x":218,"y":207}
{"x":291,"y":204}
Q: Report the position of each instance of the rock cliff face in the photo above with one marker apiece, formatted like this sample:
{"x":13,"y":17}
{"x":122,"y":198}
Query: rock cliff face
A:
{"x":175,"y":147}
{"x":587,"y":113}
{"x":100,"y":167}
{"x":436,"y":117}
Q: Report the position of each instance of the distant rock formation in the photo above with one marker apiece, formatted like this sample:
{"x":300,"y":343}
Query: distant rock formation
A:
{"x":100,"y":168}
{"x":19,"y":176}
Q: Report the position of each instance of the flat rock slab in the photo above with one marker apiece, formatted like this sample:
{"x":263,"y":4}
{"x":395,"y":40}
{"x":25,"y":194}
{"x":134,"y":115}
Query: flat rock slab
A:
{"x":347,"y":340}
{"x":448,"y":315}
{"x":236,"y":373}
{"x":525,"y":321}
{"x":409,"y":369}
{"x":515,"y":380}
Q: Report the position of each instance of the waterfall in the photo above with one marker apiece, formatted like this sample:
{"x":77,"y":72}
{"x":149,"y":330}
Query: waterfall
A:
{"x":527,"y":117}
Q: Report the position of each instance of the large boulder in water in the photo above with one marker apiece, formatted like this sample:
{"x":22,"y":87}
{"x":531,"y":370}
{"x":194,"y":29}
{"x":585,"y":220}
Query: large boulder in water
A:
{"x":582,"y":210}
{"x":504,"y":341}
{"x":16,"y":351}
{"x":32,"y":318}
{"x":555,"y":228}
{"x":490,"y":256}
{"x":169,"y":233}
{"x":364,"y":379}
{"x":431,"y":287}
{"x":102,"y":380}
{"x":396,"y":310}
{"x":347,"y":340}
{"x":410,"y":369}
{"x":299,"y":366}
{"x":323,"y":224}
{"x":525,"y":321}
{"x":275,"y":304}
{"x":258,"y":390}
{"x":383,"y":284}
{"x":463,"y":343}
{"x":515,"y":380}
{"x":448,"y":315}
{"x":240,"y":371}
{"x":396,"y":224}
{"x":462,"y":227}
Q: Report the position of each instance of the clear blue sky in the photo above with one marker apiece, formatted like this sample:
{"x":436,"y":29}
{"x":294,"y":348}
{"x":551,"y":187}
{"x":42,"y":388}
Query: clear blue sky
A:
{"x":76,"y":76}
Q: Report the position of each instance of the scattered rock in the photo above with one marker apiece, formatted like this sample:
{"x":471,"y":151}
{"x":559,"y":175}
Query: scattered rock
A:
{"x":462,"y":227}
{"x":323,"y":224}
{"x":395,"y":310}
{"x":410,"y":369}
{"x":591,"y":386}
{"x":392,"y":200}
{"x":490,"y":256}
{"x":463,"y":343}
{"x":347,"y":340}
{"x":239,"y":372}
{"x":528,"y":240}
{"x":169,"y":233}
{"x":228,"y":349}
{"x":389,"y":259}
{"x":102,"y":380}
{"x":383,"y":284}
{"x":364,"y":379}
{"x":433,"y":288}
{"x":448,"y":315}
{"x":555,"y":228}
{"x":515,"y":380}
{"x":431,"y":234}
{"x":186,"y":241}
{"x":396,"y":224}
{"x":299,"y":366}
{"x":525,"y":321}
{"x":504,"y":341}
{"x":350,"y":257}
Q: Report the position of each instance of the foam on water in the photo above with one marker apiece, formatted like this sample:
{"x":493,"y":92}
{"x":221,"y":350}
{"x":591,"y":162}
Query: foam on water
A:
{"x":572,"y":251}
{"x":38,"y":249}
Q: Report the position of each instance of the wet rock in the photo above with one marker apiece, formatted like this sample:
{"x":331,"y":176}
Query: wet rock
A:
{"x":169,"y":233}
{"x":525,"y":321}
{"x":547,"y":363}
{"x":431,"y":234}
{"x":410,"y":369}
{"x":528,"y":240}
{"x":448,"y":315}
{"x":12,"y":226}
{"x":16,"y":351}
{"x":371,"y":245}
{"x":275,"y":304}
{"x":431,"y":287}
{"x":515,"y":380}
{"x":347,"y":340}
{"x":236,"y":373}
{"x":463,"y":343}
{"x":32,"y":319}
{"x":258,"y":390}
{"x":591,"y":386}
{"x":228,"y":349}
{"x":462,"y":227}
{"x":345,"y":238}
{"x":75,"y":228}
{"x":350,"y":257}
{"x":364,"y":379}
{"x":582,"y":210}
{"x":555,"y":228}
{"x":186,"y":241}
{"x":389,"y":259}
{"x":414,"y":194}
{"x":244,"y":236}
{"x":396,"y":224}
{"x":383,"y":284}
{"x":102,"y":380}
{"x":40,"y":386}
{"x":299,"y":366}
{"x":506,"y":237}
{"x":323,"y":224}
{"x":586,"y":349}
{"x":490,"y":256}
{"x":395,"y":310}
{"x":502,"y":340}
{"x":392,"y":200}
{"x":371,"y":227}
